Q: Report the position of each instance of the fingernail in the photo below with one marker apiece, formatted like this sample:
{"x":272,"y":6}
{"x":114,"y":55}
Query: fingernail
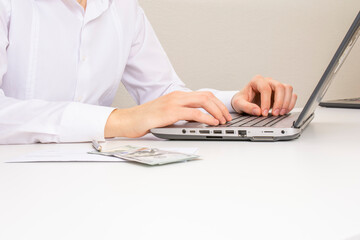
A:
{"x":276,"y":112}
{"x":223,"y":121}
{"x":265,"y":112}
{"x":256,"y":111}
{"x":229,"y":117}
{"x":283,"y":111}
{"x":216,"y":122}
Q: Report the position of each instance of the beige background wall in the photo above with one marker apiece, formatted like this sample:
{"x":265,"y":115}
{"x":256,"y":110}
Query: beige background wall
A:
{"x":222,"y":43}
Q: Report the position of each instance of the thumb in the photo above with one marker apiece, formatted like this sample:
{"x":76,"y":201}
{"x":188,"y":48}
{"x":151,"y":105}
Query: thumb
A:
{"x":242,"y":105}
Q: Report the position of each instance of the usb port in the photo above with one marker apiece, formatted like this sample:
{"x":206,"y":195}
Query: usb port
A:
{"x":230,"y":132}
{"x":204,"y":131}
{"x":217,"y":132}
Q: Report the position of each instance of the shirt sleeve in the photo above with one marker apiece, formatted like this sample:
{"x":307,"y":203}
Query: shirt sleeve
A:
{"x":31,"y":121}
{"x":149,"y":73}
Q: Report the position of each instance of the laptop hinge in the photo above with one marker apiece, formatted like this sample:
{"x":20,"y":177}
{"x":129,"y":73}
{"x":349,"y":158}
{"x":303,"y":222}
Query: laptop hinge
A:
{"x":304,"y":122}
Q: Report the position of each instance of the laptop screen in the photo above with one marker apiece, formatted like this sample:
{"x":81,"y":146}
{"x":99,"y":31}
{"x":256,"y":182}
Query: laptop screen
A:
{"x":334,"y":66}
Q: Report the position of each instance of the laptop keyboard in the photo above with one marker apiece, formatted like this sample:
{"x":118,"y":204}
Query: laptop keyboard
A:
{"x":252,"y":121}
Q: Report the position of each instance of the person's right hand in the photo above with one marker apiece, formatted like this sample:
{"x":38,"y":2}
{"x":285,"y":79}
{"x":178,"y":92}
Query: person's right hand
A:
{"x":164,"y":111}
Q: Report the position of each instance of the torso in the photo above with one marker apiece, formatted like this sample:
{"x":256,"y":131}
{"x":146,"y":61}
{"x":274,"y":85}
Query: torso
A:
{"x":56,"y":53}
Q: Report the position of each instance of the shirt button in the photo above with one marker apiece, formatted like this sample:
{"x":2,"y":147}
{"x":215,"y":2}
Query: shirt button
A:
{"x":84,"y":59}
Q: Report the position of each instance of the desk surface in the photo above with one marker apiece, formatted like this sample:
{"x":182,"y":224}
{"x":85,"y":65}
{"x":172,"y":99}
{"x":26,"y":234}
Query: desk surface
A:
{"x":308,"y":188}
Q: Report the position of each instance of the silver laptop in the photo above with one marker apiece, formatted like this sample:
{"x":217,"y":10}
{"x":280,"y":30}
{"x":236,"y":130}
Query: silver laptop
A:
{"x":271,"y":128}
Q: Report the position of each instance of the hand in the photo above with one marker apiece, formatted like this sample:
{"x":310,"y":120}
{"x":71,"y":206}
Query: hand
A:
{"x":164,"y":111}
{"x":261,"y":94}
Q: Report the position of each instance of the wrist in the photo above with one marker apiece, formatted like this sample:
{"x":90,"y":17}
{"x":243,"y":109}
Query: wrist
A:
{"x":118,"y":124}
{"x":232,"y":102}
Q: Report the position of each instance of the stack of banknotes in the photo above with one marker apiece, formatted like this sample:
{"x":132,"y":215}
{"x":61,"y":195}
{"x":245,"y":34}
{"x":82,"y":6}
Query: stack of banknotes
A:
{"x":146,"y":155}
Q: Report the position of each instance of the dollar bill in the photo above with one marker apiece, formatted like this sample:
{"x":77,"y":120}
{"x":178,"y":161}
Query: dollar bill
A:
{"x":146,"y":155}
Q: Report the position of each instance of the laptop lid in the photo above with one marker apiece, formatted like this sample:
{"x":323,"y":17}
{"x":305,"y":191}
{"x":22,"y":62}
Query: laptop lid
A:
{"x":334,"y":66}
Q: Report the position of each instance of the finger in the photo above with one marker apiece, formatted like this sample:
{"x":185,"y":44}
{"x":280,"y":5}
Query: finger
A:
{"x":245,"y":106}
{"x":279,"y":95}
{"x":223,"y":109}
{"x":205,"y":101}
{"x":214,"y":110}
{"x":192,"y":114}
{"x":262,"y":86}
{"x":287,"y":99}
{"x":292,"y":103}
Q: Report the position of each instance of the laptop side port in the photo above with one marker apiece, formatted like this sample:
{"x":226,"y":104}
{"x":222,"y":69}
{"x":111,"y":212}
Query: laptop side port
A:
{"x":192,"y":131}
{"x":230,"y":131}
{"x":204,"y":131}
{"x":242,"y":133}
{"x":217,"y":132}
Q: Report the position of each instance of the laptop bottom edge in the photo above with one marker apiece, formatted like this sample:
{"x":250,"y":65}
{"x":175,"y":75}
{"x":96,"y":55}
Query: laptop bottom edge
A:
{"x":227,"y":138}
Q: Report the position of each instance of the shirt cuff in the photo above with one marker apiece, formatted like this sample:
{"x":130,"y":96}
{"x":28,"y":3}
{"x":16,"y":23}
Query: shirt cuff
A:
{"x":84,"y":122}
{"x":224,"y":96}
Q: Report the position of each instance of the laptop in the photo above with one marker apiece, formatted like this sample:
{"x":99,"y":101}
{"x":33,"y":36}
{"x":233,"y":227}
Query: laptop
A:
{"x":271,"y":128}
{"x":342,"y":103}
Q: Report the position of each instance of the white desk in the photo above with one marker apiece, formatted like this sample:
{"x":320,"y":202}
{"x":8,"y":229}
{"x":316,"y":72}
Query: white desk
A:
{"x":308,"y":188}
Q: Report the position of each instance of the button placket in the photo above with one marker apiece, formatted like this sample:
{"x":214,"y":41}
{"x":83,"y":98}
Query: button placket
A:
{"x":82,"y":68}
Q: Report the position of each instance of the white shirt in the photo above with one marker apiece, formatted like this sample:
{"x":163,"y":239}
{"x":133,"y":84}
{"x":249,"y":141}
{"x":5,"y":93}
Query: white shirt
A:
{"x":60,"y":67}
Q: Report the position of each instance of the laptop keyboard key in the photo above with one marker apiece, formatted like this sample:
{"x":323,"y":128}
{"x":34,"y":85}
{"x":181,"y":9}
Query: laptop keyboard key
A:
{"x":247,"y":120}
{"x":266,"y":121}
{"x":258,"y":120}
{"x":236,"y":120}
{"x":278,"y":119}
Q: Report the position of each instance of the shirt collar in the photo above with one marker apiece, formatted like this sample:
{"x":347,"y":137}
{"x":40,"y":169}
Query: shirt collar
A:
{"x":94,"y":8}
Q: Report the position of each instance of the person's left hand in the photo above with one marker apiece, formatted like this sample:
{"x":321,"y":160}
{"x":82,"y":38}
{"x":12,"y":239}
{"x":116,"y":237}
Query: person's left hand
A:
{"x":261,"y":94}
